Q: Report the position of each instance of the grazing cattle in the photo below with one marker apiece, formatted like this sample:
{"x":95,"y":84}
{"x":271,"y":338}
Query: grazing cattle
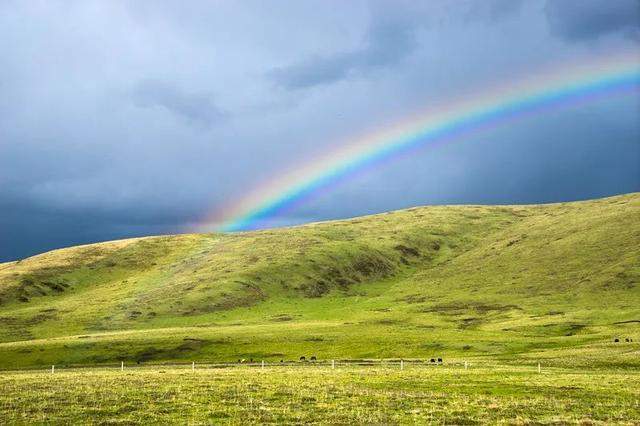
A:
{"x":440,"y":360}
{"x":302,"y":358}
{"x":242,"y":361}
{"x":313,"y":358}
{"x":433,"y":360}
{"x":616,"y":340}
{"x":281,"y":361}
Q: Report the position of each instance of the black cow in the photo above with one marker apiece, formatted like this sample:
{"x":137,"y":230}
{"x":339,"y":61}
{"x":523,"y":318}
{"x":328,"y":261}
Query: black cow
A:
{"x":440,"y":360}
{"x":433,"y":360}
{"x":302,"y":358}
{"x":313,"y":358}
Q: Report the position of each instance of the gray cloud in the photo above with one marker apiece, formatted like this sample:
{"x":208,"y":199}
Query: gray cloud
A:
{"x":122,"y":118}
{"x":490,"y":10}
{"x":589,"y":19}
{"x":499,"y":9}
{"x":196,"y":108}
{"x":388,"y":40}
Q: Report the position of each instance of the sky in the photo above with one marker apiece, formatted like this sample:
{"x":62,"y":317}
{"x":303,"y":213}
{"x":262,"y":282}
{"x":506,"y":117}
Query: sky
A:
{"x":130,"y":118}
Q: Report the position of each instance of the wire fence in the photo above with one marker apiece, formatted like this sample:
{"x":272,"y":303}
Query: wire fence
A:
{"x":394,"y":363}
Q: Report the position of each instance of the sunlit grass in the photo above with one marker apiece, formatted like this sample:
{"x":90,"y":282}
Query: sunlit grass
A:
{"x":556,"y":282}
{"x":314,"y":394}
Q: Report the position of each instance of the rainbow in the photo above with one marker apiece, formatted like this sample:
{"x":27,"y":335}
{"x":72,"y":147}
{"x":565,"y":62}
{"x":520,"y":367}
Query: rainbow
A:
{"x":561,"y":86}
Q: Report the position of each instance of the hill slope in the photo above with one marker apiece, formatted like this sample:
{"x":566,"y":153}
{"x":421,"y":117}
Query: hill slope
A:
{"x":556,"y":282}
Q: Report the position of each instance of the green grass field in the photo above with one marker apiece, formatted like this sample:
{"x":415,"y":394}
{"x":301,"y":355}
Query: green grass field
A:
{"x":508,"y":286}
{"x":418,"y":394}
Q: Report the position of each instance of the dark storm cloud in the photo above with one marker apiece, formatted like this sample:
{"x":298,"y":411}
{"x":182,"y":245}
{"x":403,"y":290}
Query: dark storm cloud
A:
{"x":390,"y":38}
{"x":122,"y":118}
{"x":197,"y":108}
{"x":499,"y":9}
{"x":491,"y":10}
{"x":388,"y":41}
{"x":536,"y":161}
{"x":588,"y":19}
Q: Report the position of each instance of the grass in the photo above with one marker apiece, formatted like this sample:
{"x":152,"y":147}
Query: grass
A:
{"x":418,"y":394}
{"x":508,"y":286}
{"x":553,"y":282}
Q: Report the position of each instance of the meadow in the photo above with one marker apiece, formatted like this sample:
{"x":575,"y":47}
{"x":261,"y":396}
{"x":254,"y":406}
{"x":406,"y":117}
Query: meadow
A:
{"x":501,"y":287}
{"x":311,"y":394}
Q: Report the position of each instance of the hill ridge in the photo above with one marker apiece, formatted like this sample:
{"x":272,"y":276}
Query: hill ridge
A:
{"x":500,"y":281}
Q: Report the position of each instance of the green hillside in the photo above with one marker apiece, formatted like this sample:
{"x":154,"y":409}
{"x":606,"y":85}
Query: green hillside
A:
{"x":517,"y":284}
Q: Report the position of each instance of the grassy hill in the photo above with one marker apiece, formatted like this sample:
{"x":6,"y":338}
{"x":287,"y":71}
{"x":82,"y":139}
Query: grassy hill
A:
{"x":516,"y":284}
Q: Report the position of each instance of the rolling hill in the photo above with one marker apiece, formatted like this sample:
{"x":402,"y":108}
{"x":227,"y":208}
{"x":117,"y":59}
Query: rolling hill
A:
{"x":556,"y":282}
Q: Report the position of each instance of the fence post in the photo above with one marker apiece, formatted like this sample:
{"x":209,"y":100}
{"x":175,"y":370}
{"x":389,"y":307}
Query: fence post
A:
{"x":193,"y":366}
{"x":401,"y":364}
{"x":121,"y":365}
{"x":53,"y":369}
{"x":465,"y":365}
{"x":263,"y":364}
{"x":539,"y":371}
{"x":333,"y":364}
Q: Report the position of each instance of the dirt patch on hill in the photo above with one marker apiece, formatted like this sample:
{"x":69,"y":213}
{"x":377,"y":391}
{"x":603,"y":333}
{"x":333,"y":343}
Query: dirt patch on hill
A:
{"x":470,"y":322}
{"x":407,"y":251}
{"x":281,"y":318}
{"x":346,"y":271}
{"x":627,"y":322}
{"x":189,"y":345}
{"x":458,"y":308}
{"x":315,"y":289}
{"x":413,"y":298}
{"x":248,"y":294}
